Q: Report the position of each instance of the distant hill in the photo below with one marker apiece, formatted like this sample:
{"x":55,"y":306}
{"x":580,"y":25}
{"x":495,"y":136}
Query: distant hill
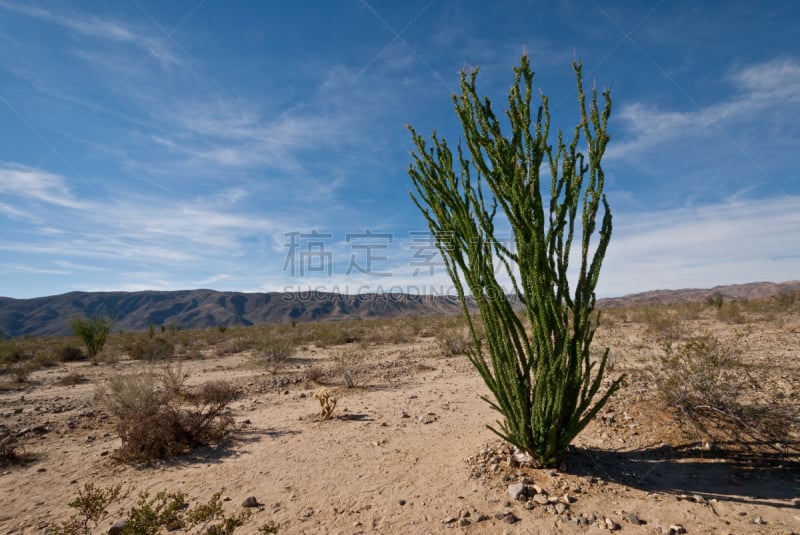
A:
{"x":753,"y":291}
{"x":197,"y":309}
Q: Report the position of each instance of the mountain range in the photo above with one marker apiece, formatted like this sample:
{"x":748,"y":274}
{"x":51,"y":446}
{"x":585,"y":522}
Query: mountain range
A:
{"x":197,"y":309}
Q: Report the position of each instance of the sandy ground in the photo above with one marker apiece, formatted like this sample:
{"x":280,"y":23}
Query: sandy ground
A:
{"x":408,"y":452}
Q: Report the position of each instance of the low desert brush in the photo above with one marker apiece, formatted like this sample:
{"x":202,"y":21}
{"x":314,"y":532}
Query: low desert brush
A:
{"x":704,"y":378}
{"x":158,"y":418}
{"x":347,"y":364}
{"x":151,"y":515}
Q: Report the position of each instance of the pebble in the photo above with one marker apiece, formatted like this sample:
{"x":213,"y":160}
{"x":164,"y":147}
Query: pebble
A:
{"x":250,"y":501}
{"x":632,"y":518}
{"x":118,"y":527}
{"x":611,"y":525}
{"x":675,"y":529}
{"x":541,"y":499}
{"x":518,"y":491}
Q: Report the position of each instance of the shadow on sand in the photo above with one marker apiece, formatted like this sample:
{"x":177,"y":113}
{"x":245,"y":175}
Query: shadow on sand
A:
{"x":750,"y":474}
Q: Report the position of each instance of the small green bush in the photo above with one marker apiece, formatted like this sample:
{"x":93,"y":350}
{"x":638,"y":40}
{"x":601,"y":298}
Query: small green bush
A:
{"x":93,"y":332}
{"x":166,"y":511}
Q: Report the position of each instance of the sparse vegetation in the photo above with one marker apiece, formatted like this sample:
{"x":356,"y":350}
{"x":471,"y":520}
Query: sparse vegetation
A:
{"x":69,"y":353}
{"x":156,"y":348}
{"x":347,"y":364}
{"x":543,"y":382}
{"x":166,"y":511}
{"x":702,"y":375}
{"x":152,"y":419}
{"x":275,"y":351}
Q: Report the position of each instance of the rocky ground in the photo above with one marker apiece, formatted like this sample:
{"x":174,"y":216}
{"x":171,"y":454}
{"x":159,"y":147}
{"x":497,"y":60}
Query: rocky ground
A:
{"x":408,"y":451}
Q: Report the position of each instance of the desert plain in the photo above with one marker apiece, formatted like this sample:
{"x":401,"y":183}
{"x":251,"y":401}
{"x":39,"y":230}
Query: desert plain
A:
{"x":407,"y":448}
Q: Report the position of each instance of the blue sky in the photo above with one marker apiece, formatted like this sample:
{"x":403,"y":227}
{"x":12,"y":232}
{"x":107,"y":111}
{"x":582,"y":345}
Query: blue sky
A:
{"x":252,"y":146}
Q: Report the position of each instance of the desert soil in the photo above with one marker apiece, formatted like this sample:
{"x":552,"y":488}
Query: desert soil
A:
{"x":408,"y":451}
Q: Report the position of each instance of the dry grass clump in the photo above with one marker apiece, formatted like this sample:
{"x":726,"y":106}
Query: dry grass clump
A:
{"x":158,"y":418}
{"x":452,"y":337}
{"x":72,"y":378}
{"x":156,"y":348}
{"x":315,"y":373}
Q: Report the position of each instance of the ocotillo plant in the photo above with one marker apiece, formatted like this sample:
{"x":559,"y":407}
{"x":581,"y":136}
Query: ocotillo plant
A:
{"x":93,"y":332}
{"x":543,"y":381}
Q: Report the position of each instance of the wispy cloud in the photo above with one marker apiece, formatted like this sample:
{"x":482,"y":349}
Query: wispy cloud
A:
{"x":35,"y":184}
{"x":704,"y":246}
{"x":93,"y":26}
{"x":761,"y":92}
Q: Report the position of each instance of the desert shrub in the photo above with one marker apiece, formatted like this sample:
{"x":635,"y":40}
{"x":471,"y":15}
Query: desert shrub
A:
{"x":91,"y":504}
{"x":166,"y":511}
{"x":326,"y":334}
{"x":12,"y":353}
{"x":72,"y":378}
{"x":703,"y":378}
{"x":237,"y":344}
{"x":8,"y":447}
{"x":157,"y":418}
{"x":68,"y":353}
{"x":786,"y":300}
{"x":93,"y":332}
{"x":730,"y":312}
{"x":347,"y":364}
{"x":275,"y":351}
{"x":156,"y":348}
{"x":541,"y":375}
{"x":715,"y":300}
{"x":452,"y":340}
{"x":314,"y":373}
{"x":663,"y":324}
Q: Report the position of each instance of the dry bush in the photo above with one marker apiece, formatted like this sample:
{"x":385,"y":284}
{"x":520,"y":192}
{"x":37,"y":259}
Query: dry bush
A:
{"x":453,"y":339}
{"x":314,"y":373}
{"x":731,"y":312}
{"x":236,"y":344}
{"x":326,"y":334}
{"x":663,"y":324}
{"x":68,"y":353}
{"x":347,"y":364}
{"x":704,"y":379}
{"x":156,"y":348}
{"x":72,"y":378}
{"x":275,"y":351}
{"x":157,"y":418}
{"x":8,"y":448}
